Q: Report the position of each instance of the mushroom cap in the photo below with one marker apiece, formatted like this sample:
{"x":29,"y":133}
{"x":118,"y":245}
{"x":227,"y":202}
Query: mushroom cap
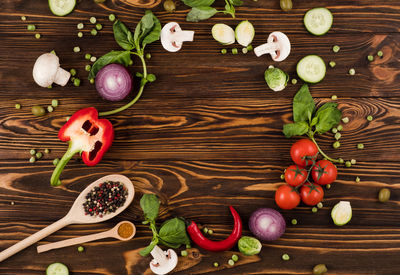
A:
{"x":166,"y":32}
{"x":45,"y":69}
{"x":164,"y":269}
{"x":283,"y":41}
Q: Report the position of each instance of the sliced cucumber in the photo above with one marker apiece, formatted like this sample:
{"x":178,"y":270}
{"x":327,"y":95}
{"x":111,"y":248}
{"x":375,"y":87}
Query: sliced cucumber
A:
{"x":311,"y":69}
{"x":318,"y":21}
{"x":341,"y":213}
{"x":244,"y":33}
{"x":223,"y":34}
{"x":61,"y":7}
{"x":57,"y":269}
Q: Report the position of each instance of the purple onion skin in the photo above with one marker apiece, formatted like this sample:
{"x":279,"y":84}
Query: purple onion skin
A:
{"x":113,"y":82}
{"x":278,"y":223}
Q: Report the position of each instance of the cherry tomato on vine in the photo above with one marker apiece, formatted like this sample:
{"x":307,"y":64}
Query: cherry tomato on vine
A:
{"x":324,"y":172}
{"x":303,"y":152}
{"x":311,"y":194}
{"x":295,"y":175}
{"x":286,"y":197}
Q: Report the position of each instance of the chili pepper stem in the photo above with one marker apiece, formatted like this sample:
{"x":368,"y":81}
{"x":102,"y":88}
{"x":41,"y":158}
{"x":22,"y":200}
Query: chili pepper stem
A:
{"x":54,"y":181}
{"x":311,"y":136}
{"x":139,"y":94}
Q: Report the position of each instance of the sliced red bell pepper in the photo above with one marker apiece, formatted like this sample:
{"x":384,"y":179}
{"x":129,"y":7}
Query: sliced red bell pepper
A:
{"x":86,"y":134}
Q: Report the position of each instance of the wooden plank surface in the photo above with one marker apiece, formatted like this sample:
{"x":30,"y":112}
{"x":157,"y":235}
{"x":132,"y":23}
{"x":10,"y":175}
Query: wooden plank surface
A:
{"x":205,"y":135}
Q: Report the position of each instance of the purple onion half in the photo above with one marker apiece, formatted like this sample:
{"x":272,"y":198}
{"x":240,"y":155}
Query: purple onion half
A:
{"x":267,"y":224}
{"x":113,"y":82}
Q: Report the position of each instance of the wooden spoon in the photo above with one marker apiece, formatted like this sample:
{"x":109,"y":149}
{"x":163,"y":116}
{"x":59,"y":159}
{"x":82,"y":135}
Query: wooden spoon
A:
{"x":112,"y":233}
{"x":75,"y":215}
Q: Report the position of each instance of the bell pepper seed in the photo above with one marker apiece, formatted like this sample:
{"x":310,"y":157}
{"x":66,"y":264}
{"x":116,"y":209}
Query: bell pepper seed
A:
{"x":111,"y":17}
{"x":370,"y":58}
{"x":93,"y":20}
{"x":93,"y":32}
{"x":31,"y":27}
{"x":348,"y":164}
{"x":205,"y":230}
{"x":91,"y":81}
{"x":17,"y":106}
{"x":210,"y":231}
{"x":80,"y":26}
{"x":332,"y":64}
{"x":231,"y":262}
{"x":88,"y":56}
{"x":338,"y":136}
{"x":148,"y":55}
{"x":360,"y":146}
{"x":54,"y":103}
{"x":184,"y":253}
{"x":32,"y":159}
{"x":336,"y":49}
{"x":285,"y":257}
{"x":294,"y":221}
{"x":282,"y":176}
{"x":88,"y":67}
{"x":380,"y":53}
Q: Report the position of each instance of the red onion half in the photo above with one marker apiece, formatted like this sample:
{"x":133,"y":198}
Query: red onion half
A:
{"x":267,"y":224}
{"x":113,"y":82}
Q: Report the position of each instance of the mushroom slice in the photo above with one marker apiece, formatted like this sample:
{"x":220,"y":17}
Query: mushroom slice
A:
{"x":172,"y":37}
{"x":47,"y":71}
{"x":278,"y":46}
{"x":163,"y":261}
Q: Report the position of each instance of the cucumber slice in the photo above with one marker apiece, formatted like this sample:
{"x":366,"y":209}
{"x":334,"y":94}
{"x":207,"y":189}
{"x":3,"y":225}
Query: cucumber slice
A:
{"x":318,"y":21}
{"x":57,"y":269}
{"x":61,"y":7}
{"x":311,"y":69}
{"x":244,"y":33}
{"x":341,"y":213}
{"x":223,"y":34}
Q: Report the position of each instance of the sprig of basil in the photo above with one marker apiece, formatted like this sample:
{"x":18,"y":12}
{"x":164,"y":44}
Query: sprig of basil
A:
{"x":123,"y":36}
{"x":173,"y":232}
{"x":121,"y":57}
{"x":295,"y":129}
{"x":202,"y":10}
{"x":197,"y":14}
{"x":303,"y":105}
{"x":198,"y":3}
{"x":150,"y":206}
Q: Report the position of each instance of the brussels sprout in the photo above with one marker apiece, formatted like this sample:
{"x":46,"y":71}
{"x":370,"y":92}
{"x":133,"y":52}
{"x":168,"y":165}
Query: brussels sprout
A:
{"x":276,"y":79}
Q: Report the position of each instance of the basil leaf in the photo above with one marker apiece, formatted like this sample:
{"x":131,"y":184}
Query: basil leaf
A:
{"x":328,"y":118}
{"x":173,"y":232}
{"x":325,"y":106}
{"x":150,"y":206}
{"x":314,"y":121}
{"x":143,"y":27}
{"x":236,"y":2}
{"x":146,"y":251}
{"x":198,"y":3}
{"x":154,"y":33}
{"x":121,"y":57}
{"x":303,"y":105}
{"x":197,"y":14}
{"x":123,"y":36}
{"x":172,"y":245}
{"x":295,"y":129}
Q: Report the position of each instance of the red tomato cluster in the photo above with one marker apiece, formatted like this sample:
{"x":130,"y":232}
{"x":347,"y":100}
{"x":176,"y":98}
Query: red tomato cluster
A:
{"x":304,"y":153}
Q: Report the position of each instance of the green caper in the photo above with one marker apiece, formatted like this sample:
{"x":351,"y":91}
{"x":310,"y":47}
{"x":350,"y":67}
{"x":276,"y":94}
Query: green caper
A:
{"x":169,"y":5}
{"x":319,"y":269}
{"x":384,"y":195}
{"x":286,"y":5}
{"x":38,"y":111}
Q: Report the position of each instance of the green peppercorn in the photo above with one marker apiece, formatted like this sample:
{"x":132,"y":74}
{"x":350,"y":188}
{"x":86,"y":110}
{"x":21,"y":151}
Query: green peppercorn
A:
{"x":39,"y":155}
{"x":358,"y":179}
{"x":332,"y":64}
{"x":370,"y":118}
{"x":334,"y":97}
{"x":370,"y":58}
{"x":294,"y":221}
{"x":294,"y":81}
{"x":320,"y":269}
{"x":338,"y":136}
{"x":38,"y":111}
{"x":347,"y":164}
{"x":223,"y":51}
{"x":77,"y":82}
{"x":32,"y":152}
{"x":169,"y":6}
{"x":111,"y":17}
{"x":328,"y":186}
{"x":360,"y":146}
{"x":380,"y":53}
{"x":336,"y":144}
{"x":55,"y":161}
{"x":148,"y":55}
{"x":215,"y":264}
{"x":17,"y":106}
{"x":384,"y":195}
{"x":345,"y":119}
{"x":231,"y":262}
{"x":320,"y":205}
{"x":184,"y":253}
{"x":54,"y":103}
{"x":339,"y":128}
{"x":235,"y":257}
{"x":234,"y":51}
{"x":285,"y":257}
{"x":50,"y":109}
{"x":81,"y":248}
{"x":314,"y":209}
{"x":32,"y":159}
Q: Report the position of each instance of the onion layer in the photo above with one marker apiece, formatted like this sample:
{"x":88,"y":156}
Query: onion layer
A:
{"x":113,"y":82}
{"x":267,"y":224}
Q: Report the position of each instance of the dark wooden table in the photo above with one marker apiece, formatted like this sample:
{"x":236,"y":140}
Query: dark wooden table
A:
{"x":205,"y":135}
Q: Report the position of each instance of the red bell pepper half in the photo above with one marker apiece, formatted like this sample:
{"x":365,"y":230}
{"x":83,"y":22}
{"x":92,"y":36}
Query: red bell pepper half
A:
{"x":86,"y":134}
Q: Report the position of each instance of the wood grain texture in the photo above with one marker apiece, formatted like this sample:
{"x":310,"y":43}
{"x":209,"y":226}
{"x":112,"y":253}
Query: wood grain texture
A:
{"x":205,"y":135}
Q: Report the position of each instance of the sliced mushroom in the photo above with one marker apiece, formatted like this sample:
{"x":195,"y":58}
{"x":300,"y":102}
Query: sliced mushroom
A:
{"x":172,"y":37}
{"x":47,"y":71}
{"x":278,"y":46}
{"x":163,"y":261}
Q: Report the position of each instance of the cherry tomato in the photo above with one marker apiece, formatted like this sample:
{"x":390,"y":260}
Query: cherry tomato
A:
{"x":324,"y":172}
{"x":311,"y":194}
{"x":286,"y":197}
{"x":303,"y":152}
{"x":295,"y":175}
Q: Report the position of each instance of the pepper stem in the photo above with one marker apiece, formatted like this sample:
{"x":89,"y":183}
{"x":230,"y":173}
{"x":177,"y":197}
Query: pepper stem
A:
{"x":55,"y":177}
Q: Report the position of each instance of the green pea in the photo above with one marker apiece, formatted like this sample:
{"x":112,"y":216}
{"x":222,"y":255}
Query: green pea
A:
{"x":370,"y":58}
{"x":341,"y":160}
{"x":88,"y":56}
{"x":328,"y":186}
{"x":347,"y":164}
{"x":380,"y":53}
{"x":334,"y":130}
{"x":334,"y":97}
{"x":358,"y":179}
{"x":234,"y":51}
{"x":320,"y":269}
{"x":93,"y":32}
{"x":336,"y":49}
{"x":353,"y":161}
{"x":31,"y":27}
{"x":245,"y":50}
{"x":55,"y":161}
{"x":231,"y":262}
{"x":99,"y":26}
{"x":215,"y":264}
{"x":188,"y":246}
{"x":282,"y":176}
{"x":93,"y":20}
{"x":339,"y":128}
{"x":77,"y":82}
{"x":49,"y":87}
{"x":80,"y":26}
{"x":80,"y":34}
{"x":384,"y":195}
{"x":285,"y":257}
{"x":38,"y":111}
{"x":32,"y":152}
{"x":345,"y":119}
{"x":54,"y":103}
{"x":332,"y":64}
{"x":169,"y":6}
{"x":50,"y":109}
{"x":338,"y":136}
{"x":37,"y":35}
{"x":111,"y":17}
{"x":72,"y":72}
{"x":235,"y":257}
{"x":91,"y":81}
{"x":286,"y":5}
{"x":250,"y":48}
{"x":223,"y":51}
{"x":314,"y":209}
{"x":360,"y":146}
{"x":148,"y":55}
{"x":23,"y":18}
{"x":320,"y":205}
{"x":88,"y":67}
{"x":81,"y":248}
{"x":352,"y":71}
{"x":17,"y":106}
{"x":76,"y":49}
{"x":151,"y":77}
{"x":39,"y":155}
{"x":336,"y":144}
{"x":294,"y":81}
{"x":184,"y":253}
{"x":210,"y":231}
{"x":294,"y":221}
{"x":46,"y":151}
{"x":370,"y":118}
{"x":205,"y":230}
{"x":32,"y":159}
{"x":93,"y":59}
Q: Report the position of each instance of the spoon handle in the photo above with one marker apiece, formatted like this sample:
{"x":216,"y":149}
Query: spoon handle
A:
{"x":34,"y":238}
{"x":74,"y":241}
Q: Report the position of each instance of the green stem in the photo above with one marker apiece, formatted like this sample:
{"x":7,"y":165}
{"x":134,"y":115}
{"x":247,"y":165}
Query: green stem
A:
{"x":139,"y":94}
{"x":55,"y":177}
{"x":311,"y":136}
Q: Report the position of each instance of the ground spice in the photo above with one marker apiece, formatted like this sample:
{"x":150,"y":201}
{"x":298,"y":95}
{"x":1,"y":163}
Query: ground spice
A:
{"x":125,"y":230}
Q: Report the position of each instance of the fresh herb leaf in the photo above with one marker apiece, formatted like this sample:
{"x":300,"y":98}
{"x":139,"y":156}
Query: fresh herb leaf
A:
{"x":123,"y":36}
{"x":198,"y":3}
{"x":295,"y":129}
{"x":303,"y":105}
{"x":143,"y":28}
{"x":154,"y":33}
{"x":236,"y":3}
{"x":325,"y":106}
{"x":150,"y":206}
{"x":121,"y":57}
{"x":146,"y":251}
{"x":197,"y":14}
{"x":173,"y":232}
{"x":327,"y":118}
{"x":229,"y":9}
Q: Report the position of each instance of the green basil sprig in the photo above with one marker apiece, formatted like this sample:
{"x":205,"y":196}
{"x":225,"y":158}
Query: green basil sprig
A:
{"x":147,"y":31}
{"x":308,"y":120}
{"x":172,"y":233}
{"x":202,"y":10}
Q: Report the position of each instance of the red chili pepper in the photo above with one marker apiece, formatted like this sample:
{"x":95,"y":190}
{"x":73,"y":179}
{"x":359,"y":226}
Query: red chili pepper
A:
{"x":85,"y":134}
{"x":199,"y":239}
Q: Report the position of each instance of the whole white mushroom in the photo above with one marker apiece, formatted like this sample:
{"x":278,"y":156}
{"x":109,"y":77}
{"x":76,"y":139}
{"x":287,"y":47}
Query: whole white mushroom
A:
{"x":47,"y":71}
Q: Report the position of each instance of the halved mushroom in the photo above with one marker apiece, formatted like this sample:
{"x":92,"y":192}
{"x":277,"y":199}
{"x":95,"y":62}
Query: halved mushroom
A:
{"x":278,"y":46}
{"x":172,"y":37}
{"x":163,"y":261}
{"x":47,"y":70}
